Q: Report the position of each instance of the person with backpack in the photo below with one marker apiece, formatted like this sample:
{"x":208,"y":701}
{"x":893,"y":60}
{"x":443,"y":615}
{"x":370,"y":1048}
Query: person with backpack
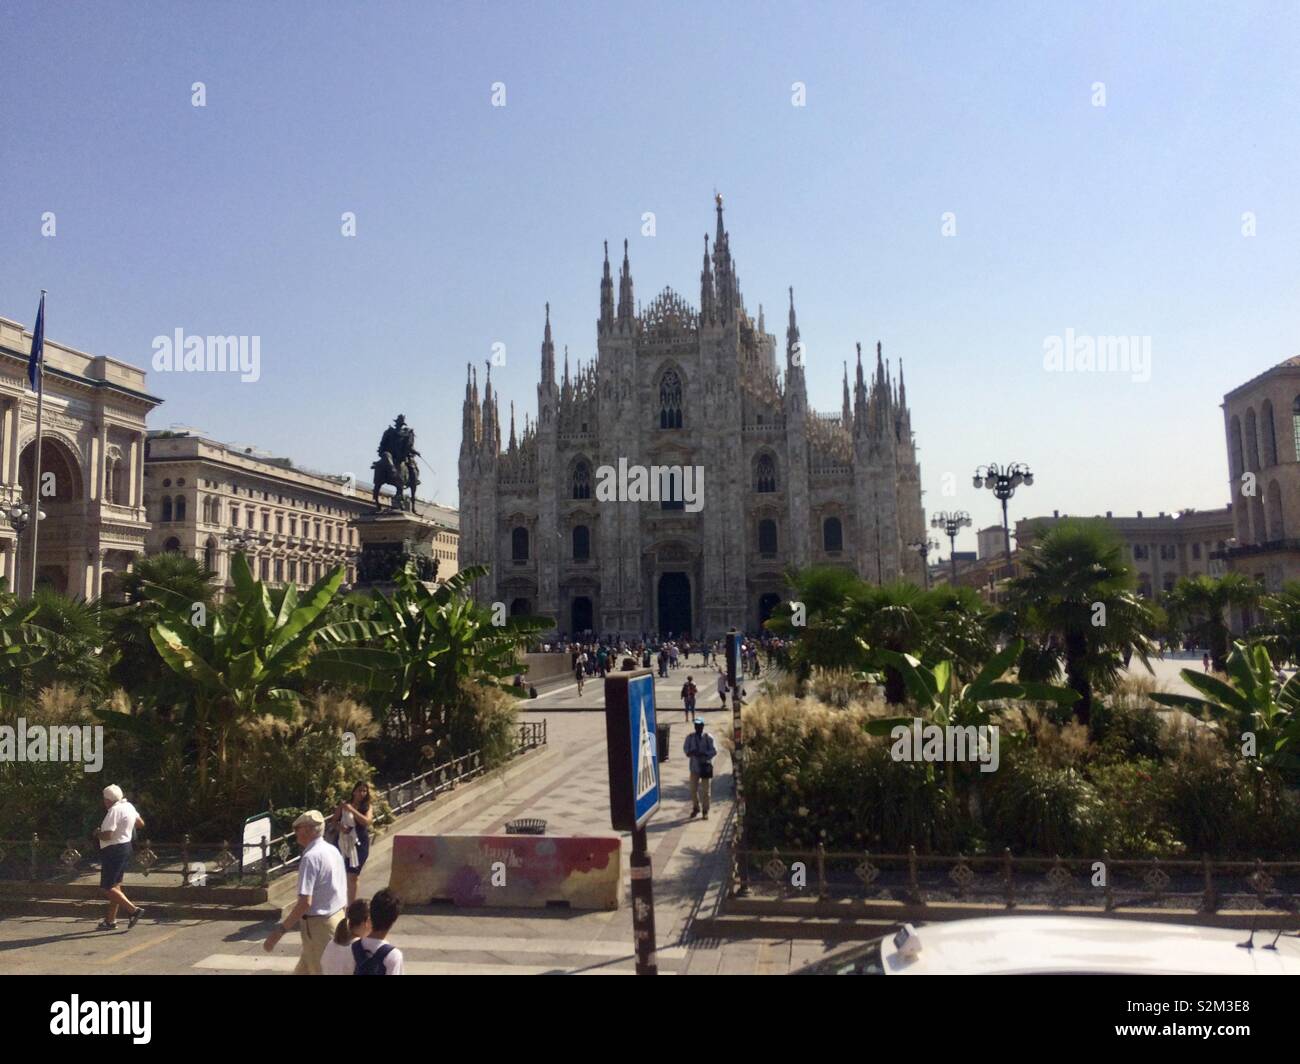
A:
{"x":689,"y":691}
{"x":701,"y":749}
{"x":337,"y":958}
{"x":374,"y":954}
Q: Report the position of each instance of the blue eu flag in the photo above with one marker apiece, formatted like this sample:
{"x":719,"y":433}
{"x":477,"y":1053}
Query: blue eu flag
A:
{"x":38,"y":344}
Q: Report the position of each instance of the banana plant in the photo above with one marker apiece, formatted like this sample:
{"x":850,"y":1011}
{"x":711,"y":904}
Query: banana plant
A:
{"x":439,"y":640}
{"x":1251,"y":702}
{"x":241,"y":659}
{"x":943,"y":699}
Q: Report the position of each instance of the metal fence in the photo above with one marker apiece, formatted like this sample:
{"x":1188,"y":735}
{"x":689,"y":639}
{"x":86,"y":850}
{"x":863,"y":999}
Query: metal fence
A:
{"x":1007,"y":881}
{"x":197,"y":863}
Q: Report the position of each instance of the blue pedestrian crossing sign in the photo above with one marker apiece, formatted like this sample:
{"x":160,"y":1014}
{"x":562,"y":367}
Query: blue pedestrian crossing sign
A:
{"x":633,"y":743}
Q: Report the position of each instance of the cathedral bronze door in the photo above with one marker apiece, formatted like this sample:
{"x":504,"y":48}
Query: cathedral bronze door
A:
{"x":674,"y":605}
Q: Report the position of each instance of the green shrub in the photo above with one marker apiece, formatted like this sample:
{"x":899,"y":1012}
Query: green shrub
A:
{"x":1133,"y":802}
{"x":1127,"y":729}
{"x":1033,"y":807}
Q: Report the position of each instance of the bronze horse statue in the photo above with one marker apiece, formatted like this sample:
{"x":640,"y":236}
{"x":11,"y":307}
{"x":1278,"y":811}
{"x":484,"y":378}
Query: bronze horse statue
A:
{"x":400,"y":476}
{"x":396,"y":464}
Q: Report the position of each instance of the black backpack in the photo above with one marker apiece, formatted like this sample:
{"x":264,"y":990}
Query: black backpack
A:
{"x":370,"y":963}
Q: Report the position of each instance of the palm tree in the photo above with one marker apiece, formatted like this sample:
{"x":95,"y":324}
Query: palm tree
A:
{"x":1201,"y":604}
{"x":1076,"y":602}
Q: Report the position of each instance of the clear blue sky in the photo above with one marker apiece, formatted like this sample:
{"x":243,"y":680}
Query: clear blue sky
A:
{"x":1123,"y":219}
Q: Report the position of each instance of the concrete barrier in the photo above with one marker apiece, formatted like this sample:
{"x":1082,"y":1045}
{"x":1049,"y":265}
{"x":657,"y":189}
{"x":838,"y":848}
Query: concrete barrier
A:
{"x":541,"y":668}
{"x":510,"y":871}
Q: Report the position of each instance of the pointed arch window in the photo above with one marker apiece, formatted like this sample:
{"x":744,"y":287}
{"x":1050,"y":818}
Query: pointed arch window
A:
{"x":582,"y":481}
{"x":765,"y":474}
{"x":581,"y":543}
{"x":832,"y":535}
{"x":519,"y":544}
{"x":670,"y":400}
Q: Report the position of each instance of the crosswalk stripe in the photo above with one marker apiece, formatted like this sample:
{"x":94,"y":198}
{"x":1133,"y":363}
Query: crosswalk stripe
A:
{"x":251,"y":962}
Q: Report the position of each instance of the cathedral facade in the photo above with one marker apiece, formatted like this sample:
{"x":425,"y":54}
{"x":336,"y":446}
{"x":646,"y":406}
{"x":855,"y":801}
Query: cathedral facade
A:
{"x":704,"y":389}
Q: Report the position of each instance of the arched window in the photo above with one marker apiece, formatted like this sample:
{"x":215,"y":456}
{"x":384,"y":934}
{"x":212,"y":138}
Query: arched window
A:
{"x":581,"y":543}
{"x":1270,"y":433}
{"x":1252,"y":442}
{"x":180,"y":507}
{"x":167,"y":508}
{"x":765,"y":473}
{"x":767,"y":537}
{"x":172,"y":545}
{"x":1295,"y":426}
{"x":582,"y":481}
{"x":210,"y":556}
{"x":519,"y":544}
{"x":670,"y":401}
{"x":1276,"y":524}
{"x":1235,"y":462}
{"x":832,"y":535}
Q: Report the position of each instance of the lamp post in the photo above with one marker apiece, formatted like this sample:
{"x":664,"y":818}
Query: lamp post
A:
{"x":20,"y":516}
{"x":1003,"y":481}
{"x":950,"y":523}
{"x":923,"y":548}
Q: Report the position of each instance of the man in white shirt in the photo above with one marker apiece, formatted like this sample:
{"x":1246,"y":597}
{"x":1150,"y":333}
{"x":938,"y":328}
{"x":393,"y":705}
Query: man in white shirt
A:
{"x":322,"y":894}
{"x":115,"y":833}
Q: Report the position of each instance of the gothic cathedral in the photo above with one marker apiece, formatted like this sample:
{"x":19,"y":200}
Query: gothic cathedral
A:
{"x":688,"y":389}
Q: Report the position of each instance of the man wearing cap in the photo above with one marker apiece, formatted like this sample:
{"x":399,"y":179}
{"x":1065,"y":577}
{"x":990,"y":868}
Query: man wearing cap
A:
{"x":322,"y":894}
{"x":116,"y":830}
{"x":701,"y":749}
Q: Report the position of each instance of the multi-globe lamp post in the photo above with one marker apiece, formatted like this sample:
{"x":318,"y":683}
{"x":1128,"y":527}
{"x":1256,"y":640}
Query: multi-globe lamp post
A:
{"x":950,"y":523}
{"x":923,"y":547}
{"x":1003,"y":480}
{"x":20,"y":516}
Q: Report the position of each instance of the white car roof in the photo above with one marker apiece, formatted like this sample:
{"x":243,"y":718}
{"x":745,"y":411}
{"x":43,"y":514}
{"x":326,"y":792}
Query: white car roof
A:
{"x":1008,"y":945}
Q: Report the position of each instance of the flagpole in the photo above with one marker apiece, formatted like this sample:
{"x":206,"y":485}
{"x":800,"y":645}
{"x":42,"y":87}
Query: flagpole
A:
{"x":34,"y":505}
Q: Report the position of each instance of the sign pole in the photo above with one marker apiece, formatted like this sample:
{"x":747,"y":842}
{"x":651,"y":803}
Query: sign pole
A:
{"x":734,"y":673}
{"x":634,"y":792}
{"x":643,"y":906}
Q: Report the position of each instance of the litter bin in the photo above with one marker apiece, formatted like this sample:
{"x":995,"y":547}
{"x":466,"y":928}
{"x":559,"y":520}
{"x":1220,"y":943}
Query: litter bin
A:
{"x":662,"y":732}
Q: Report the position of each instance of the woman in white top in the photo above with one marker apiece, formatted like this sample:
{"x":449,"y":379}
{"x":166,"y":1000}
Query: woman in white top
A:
{"x":337,"y":958}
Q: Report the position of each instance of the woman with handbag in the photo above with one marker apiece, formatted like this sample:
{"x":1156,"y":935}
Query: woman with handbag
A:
{"x":701,"y":749}
{"x":349,"y":830}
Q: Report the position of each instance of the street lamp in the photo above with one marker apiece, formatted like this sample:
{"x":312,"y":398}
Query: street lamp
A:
{"x":951,"y":522}
{"x":1003,"y":481}
{"x":923,"y":548}
{"x":20,"y":516}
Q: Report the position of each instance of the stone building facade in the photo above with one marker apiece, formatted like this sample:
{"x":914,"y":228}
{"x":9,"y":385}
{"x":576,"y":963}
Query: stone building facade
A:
{"x":682,"y":387}
{"x":1262,"y":424}
{"x":93,"y":443}
{"x":1161,"y":549}
{"x":209,"y":499}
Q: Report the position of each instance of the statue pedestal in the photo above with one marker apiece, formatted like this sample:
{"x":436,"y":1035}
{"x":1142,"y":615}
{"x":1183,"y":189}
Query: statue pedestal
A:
{"x":389,"y":539}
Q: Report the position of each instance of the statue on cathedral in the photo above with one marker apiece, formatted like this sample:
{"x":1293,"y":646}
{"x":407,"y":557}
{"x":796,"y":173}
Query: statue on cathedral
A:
{"x":397,"y":465}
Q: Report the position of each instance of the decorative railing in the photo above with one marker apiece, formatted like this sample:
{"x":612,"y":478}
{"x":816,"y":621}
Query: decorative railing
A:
{"x":1006,"y":881}
{"x":198,"y":863}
